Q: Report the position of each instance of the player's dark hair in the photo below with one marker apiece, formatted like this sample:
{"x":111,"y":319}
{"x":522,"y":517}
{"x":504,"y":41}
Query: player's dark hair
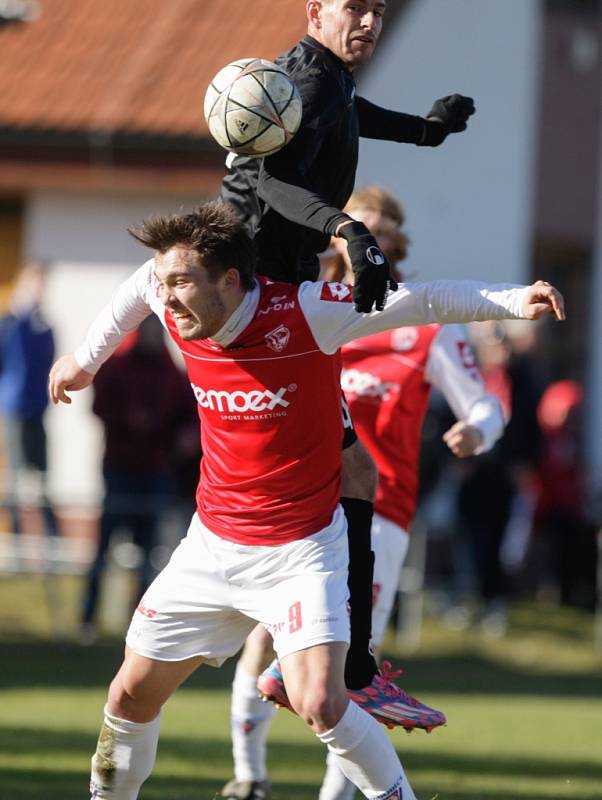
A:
{"x":213,"y":230}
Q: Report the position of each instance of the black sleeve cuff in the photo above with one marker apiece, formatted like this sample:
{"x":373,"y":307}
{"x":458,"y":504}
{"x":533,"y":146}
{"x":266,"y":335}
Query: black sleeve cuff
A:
{"x":434,"y":133}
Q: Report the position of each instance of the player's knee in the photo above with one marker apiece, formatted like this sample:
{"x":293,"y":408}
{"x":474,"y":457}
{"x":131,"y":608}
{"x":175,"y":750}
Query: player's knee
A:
{"x":120,"y":703}
{"x":125,"y":703}
{"x":320,"y":709}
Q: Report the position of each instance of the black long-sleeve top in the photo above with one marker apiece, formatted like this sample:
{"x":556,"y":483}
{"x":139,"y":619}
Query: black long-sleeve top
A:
{"x":291,"y":201}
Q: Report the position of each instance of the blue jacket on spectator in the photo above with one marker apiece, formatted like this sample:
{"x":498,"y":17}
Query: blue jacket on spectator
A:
{"x":26,"y":355}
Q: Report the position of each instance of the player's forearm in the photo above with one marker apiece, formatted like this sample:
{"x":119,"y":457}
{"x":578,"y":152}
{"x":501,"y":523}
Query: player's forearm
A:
{"x":299,"y":203}
{"x":459,"y":301}
{"x":452,"y":369}
{"x":336,"y":322}
{"x":486,"y":415}
{"x":393,"y":126}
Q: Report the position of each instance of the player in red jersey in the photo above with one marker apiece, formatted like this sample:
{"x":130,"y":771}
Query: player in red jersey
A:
{"x":387,"y":379}
{"x":267,"y":542}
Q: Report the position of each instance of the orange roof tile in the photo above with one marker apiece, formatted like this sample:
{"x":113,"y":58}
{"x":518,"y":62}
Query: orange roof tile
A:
{"x":135,"y":66}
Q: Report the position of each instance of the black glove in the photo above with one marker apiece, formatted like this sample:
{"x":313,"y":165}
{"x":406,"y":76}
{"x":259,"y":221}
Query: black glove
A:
{"x":448,"y":115}
{"x":370,"y":268}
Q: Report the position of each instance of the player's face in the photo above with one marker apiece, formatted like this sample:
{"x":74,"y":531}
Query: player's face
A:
{"x":350,"y":28}
{"x":196,"y":302}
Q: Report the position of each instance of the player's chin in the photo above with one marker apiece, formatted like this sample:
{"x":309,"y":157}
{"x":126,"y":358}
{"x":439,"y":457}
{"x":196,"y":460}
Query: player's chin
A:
{"x":188,"y":330}
{"x":360,"y":53}
{"x":191,"y":336}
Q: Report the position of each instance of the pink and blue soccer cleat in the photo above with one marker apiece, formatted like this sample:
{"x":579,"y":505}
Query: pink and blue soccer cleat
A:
{"x":382,"y":699}
{"x":270,"y":686}
{"x":392,"y":706}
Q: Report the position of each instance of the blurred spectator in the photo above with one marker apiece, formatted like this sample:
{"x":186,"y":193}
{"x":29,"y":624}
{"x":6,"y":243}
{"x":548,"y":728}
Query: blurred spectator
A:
{"x":141,"y":397}
{"x":498,"y":493}
{"x":26,"y":355}
{"x":568,"y":536}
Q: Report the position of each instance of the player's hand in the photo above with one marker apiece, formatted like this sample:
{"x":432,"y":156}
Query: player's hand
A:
{"x":543,"y":298}
{"x":448,"y":115}
{"x":67,"y":376}
{"x":463,"y":439}
{"x":372,"y":275}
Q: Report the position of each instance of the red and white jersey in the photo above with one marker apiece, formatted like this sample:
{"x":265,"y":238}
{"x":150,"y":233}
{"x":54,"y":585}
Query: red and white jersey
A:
{"x":387,"y":380}
{"x":270,"y":400}
{"x":268,"y":390}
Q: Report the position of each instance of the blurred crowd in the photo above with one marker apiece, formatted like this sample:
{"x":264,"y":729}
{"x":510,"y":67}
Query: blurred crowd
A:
{"x":510,"y":523}
{"x":513,"y":522}
{"x":151,"y":445}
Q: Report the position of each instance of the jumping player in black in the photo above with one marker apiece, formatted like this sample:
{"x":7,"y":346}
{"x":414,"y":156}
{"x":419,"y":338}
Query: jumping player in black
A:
{"x":291,"y":204}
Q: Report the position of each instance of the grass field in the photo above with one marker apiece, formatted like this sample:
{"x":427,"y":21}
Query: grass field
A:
{"x":525,"y":714}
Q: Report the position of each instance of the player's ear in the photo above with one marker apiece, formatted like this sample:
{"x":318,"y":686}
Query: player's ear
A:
{"x":231,"y":278}
{"x":313,"y":9}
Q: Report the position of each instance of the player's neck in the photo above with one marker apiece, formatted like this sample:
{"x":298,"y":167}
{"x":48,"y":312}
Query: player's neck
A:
{"x":239,"y":312}
{"x":315,"y":35}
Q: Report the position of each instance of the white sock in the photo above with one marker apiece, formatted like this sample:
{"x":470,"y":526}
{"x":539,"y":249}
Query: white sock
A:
{"x":366,"y":756}
{"x":335,"y":785}
{"x":124,"y":758}
{"x":251,"y":719}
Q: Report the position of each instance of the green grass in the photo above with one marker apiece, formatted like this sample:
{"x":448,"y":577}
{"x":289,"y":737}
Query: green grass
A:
{"x":525,"y":713}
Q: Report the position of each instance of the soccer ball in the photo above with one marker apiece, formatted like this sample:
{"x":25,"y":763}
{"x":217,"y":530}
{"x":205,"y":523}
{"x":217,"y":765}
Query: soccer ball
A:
{"x":252,"y":107}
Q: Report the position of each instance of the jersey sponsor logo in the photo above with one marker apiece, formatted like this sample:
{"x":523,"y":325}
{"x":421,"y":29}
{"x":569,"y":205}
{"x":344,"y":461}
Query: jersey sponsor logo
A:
{"x":363,"y":384}
{"x":336,"y":293}
{"x":375,"y":255}
{"x":241,"y":402}
{"x":403,"y":339}
{"x":278,"y":339}
{"x":277,"y":303}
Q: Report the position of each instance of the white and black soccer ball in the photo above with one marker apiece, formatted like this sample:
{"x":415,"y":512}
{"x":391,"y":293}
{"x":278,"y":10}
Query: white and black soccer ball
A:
{"x":252,"y":107}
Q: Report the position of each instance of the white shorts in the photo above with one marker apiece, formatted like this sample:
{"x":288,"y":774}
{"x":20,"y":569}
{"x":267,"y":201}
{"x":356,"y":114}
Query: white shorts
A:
{"x":390,"y":544}
{"x":213,"y":592}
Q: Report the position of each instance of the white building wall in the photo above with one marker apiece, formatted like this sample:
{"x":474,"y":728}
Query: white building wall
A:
{"x":83,"y":238}
{"x":468,"y":202}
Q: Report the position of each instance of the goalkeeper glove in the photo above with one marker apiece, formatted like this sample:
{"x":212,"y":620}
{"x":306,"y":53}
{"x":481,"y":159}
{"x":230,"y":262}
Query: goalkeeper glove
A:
{"x":370,"y":268}
{"x":448,"y":115}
